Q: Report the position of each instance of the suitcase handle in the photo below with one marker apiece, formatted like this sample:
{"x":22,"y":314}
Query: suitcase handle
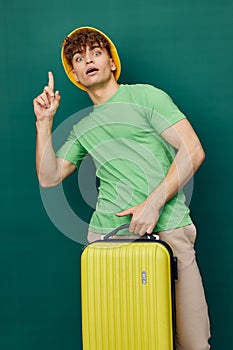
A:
{"x":153,"y":237}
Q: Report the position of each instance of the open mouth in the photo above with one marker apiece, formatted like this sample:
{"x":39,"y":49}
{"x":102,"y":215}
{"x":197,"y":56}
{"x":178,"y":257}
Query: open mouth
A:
{"x":91,"y":71}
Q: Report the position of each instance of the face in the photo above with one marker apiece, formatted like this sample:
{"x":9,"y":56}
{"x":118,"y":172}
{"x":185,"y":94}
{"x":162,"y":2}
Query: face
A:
{"x":92,"y":66}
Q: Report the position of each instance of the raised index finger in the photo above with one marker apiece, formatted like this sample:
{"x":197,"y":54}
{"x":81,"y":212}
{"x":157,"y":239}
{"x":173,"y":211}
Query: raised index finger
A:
{"x":51,"y":81}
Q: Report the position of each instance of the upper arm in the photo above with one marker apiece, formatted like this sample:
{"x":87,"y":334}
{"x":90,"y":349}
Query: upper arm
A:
{"x":181,"y":135}
{"x":65,"y":167}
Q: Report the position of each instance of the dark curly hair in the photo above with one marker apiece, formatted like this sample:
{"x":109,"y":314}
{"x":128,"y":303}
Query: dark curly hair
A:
{"x":81,"y":39}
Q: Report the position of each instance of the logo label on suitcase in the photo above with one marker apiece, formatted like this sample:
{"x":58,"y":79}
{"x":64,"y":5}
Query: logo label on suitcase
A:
{"x":143,"y":277}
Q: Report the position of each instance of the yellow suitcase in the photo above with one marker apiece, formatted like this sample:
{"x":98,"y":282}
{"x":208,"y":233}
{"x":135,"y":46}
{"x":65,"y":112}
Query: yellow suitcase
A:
{"x":128,"y":294}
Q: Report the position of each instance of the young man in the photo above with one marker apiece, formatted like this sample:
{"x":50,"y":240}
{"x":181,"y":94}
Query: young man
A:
{"x":131,"y":135}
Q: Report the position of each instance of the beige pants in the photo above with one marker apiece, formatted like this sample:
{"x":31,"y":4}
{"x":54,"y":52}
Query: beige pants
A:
{"x":192,"y":321}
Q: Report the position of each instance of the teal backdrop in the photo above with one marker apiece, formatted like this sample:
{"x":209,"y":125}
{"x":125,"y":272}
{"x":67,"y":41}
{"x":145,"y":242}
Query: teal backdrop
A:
{"x":185,"y":48}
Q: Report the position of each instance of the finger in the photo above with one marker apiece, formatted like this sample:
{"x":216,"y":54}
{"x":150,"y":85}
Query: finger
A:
{"x":48,"y":91}
{"x":36,"y":102}
{"x":150,"y":229}
{"x":125,"y":212}
{"x":139,"y":229}
{"x":45,"y":98}
{"x":57,"y":95}
{"x":132,"y":227}
{"x":51,"y":81}
{"x":142,"y":231}
{"x":40,"y":101}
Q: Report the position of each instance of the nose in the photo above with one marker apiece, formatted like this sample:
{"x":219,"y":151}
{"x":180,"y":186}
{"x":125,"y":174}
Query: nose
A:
{"x":89,"y":58}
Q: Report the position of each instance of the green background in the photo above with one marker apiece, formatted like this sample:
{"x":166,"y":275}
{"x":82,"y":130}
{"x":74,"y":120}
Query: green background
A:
{"x":183,"y":47}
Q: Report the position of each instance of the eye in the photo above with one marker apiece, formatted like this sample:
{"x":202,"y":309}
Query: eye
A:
{"x":97,"y":53}
{"x":79,"y":59}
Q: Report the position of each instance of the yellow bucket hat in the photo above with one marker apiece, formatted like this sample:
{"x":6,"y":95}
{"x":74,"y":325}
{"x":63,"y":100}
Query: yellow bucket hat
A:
{"x":68,"y":68}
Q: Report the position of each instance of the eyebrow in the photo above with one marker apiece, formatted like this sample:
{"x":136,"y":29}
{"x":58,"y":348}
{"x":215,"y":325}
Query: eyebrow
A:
{"x":95,"y":46}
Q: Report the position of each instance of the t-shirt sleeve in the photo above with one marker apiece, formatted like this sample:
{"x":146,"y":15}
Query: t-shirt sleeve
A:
{"x":72,"y":150}
{"x":162,"y":110}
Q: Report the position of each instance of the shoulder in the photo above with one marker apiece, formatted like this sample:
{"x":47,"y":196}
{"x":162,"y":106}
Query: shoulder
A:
{"x":147,"y":94}
{"x":142,"y":87}
{"x":145,"y":89}
{"x":83,"y":121}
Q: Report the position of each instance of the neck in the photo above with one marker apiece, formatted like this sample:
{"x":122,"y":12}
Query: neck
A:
{"x":101,"y":93}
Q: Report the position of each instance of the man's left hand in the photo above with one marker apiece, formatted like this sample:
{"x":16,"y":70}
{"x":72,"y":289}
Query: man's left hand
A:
{"x":144,"y":217}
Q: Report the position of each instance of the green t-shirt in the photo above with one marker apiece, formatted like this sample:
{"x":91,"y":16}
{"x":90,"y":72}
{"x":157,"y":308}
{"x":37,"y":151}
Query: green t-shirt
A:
{"x":131,"y":158}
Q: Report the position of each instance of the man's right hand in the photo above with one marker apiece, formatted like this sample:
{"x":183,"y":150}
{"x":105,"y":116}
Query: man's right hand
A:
{"x":47,"y":103}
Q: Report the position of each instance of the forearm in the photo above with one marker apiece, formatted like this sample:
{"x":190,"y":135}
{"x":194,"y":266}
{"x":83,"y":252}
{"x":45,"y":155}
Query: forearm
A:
{"x":188,"y":158}
{"x":183,"y":167}
{"x":46,"y":162}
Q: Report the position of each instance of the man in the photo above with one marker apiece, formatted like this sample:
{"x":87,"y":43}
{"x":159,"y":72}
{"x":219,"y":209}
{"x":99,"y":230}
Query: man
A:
{"x":131,"y":135}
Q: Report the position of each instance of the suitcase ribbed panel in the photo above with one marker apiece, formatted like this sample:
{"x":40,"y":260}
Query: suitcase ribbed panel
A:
{"x":126,"y":297}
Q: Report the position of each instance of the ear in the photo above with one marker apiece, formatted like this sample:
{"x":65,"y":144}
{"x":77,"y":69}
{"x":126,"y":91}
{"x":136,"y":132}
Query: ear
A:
{"x":113,"y":66}
{"x":75,"y":76}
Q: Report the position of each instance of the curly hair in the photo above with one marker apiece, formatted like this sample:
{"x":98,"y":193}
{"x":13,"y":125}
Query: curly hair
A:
{"x":81,"y":39}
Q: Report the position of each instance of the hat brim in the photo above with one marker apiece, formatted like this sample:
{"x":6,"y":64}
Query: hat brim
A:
{"x":69,"y":69}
